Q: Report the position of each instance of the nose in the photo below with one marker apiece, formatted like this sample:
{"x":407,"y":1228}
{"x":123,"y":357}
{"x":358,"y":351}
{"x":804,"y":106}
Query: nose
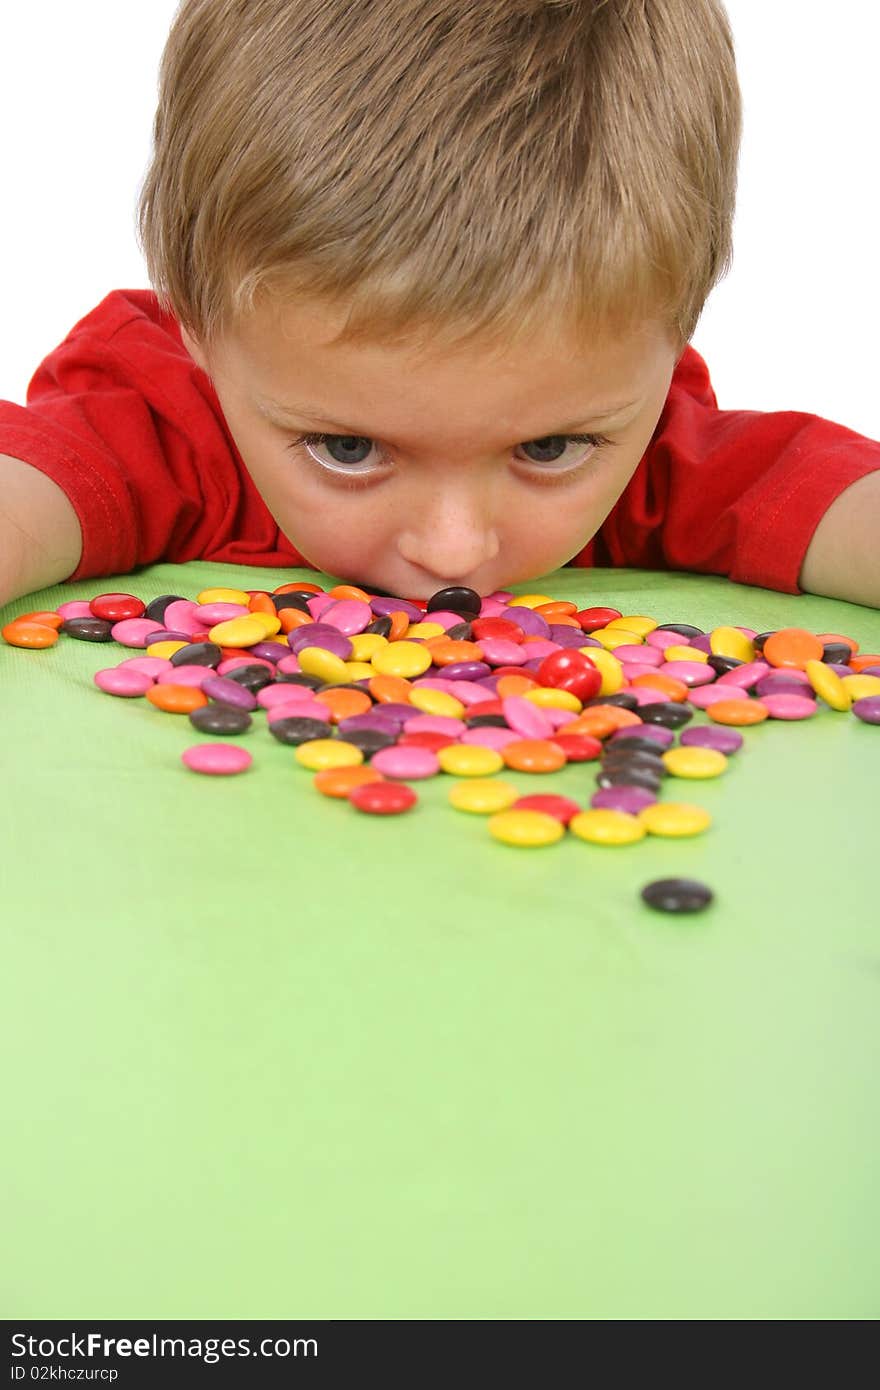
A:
{"x":451,"y":533}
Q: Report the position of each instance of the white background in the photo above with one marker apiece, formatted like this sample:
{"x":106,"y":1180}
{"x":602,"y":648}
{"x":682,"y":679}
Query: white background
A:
{"x":793,"y":327}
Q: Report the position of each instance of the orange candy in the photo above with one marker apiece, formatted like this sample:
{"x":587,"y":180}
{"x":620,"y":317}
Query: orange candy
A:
{"x":298,"y":589}
{"x":345,"y":591}
{"x":20,"y":633}
{"x":557,"y":608}
{"x":343,"y":703}
{"x":514,"y":685}
{"x":738,"y":712}
{"x":261,"y":603}
{"x":622,"y":718}
{"x":674,"y":689}
{"x":533,"y":755}
{"x":390,"y":690}
{"x":863,"y":661}
{"x":593,"y":721}
{"x":44,"y":616}
{"x":292,"y":618}
{"x":446,"y":651}
{"x":399,"y":624}
{"x":176,"y":699}
{"x":792,"y":647}
{"x":339,"y":781}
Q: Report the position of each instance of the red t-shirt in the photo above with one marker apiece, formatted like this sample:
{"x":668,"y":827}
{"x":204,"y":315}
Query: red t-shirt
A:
{"x":130,"y":428}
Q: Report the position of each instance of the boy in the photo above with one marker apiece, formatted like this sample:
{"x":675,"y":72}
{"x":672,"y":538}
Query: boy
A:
{"x":427,"y":278}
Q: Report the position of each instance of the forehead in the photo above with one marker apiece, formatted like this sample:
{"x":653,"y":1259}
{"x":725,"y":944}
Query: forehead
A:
{"x":283,"y":356}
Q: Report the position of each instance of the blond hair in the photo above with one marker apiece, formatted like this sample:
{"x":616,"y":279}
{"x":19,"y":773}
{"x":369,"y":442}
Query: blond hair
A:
{"x":465,"y":167}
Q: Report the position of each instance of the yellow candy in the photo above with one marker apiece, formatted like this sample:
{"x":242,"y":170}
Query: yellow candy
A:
{"x":426,"y":629}
{"x":828,"y":685}
{"x":483,"y":798}
{"x":615,"y":637}
{"x":469,"y":760}
{"x":684,"y":654}
{"x":315,"y":661}
{"x":605,"y":827}
{"x":530,"y":600}
{"x":729,"y":641}
{"x":527,"y":829}
{"x":319,"y":753}
{"x":270,"y":623}
{"x":634,"y":622}
{"x":858,"y":686}
{"x":435,"y":701}
{"x":365,"y":644}
{"x":694,"y":762}
{"x":547,"y":698}
{"x":239,"y":632}
{"x":608,"y":666}
{"x":358,"y":670}
{"x":406,"y":659}
{"x":224,"y":596}
{"x":674,"y":818}
{"x":165,"y":649}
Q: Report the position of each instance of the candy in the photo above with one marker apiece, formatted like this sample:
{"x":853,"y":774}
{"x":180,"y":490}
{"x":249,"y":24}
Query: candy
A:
{"x":217,"y":759}
{"x":677,"y":895}
{"x":374,"y":691}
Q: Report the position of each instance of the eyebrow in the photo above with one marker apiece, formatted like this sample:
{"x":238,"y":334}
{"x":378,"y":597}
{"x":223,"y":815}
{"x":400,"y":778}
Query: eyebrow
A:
{"x":269,"y":407}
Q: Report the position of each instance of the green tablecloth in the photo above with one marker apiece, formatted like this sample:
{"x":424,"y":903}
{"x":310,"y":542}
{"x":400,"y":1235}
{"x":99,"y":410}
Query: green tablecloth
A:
{"x":267,"y":1057}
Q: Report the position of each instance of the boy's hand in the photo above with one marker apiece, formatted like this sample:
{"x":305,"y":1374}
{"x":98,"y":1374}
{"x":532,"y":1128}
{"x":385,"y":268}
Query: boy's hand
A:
{"x":843,"y":558}
{"x":40,"y":537}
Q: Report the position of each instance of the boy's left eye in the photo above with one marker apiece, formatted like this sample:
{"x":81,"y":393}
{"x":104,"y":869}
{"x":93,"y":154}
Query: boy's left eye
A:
{"x":349,"y":455}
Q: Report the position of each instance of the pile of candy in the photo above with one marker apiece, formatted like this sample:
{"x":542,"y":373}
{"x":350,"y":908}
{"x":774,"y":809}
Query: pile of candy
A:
{"x":376,"y":692}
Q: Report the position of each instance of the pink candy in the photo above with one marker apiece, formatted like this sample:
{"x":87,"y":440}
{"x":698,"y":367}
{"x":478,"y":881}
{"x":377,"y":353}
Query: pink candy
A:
{"x":407,"y":761}
{"x":217,"y":759}
{"x":116,"y":680}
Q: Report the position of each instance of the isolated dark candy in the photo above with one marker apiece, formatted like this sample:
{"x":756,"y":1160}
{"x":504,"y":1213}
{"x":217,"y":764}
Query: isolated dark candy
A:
{"x":155,"y":609}
{"x":461,"y":632}
{"x":197,"y":654}
{"x":370,"y":741}
{"x":669,"y":714}
{"x":834,"y":652}
{"x":455,"y":599}
{"x":220,"y":719}
{"x":298,"y":728}
{"x":380,"y":626}
{"x":677,"y":895}
{"x":683,"y":629}
{"x":614,"y":758}
{"x":253,"y":677}
{"x":486,"y":721}
{"x":88,"y":629}
{"x":292,"y":600}
{"x":637,"y":744}
{"x":759,"y":640}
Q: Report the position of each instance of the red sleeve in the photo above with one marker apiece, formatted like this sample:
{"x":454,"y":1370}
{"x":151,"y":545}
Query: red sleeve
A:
{"x":130,"y":428}
{"x":734,"y":492}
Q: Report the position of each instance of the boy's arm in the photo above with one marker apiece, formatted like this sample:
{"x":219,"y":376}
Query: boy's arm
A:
{"x":843,"y":558}
{"x":40,"y":537}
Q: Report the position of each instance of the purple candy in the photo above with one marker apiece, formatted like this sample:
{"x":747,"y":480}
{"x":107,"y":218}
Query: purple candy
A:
{"x":384,"y":607}
{"x":168,"y":635}
{"x":227,"y":692}
{"x":778,"y":685}
{"x":702,"y":643}
{"x":840,"y":670}
{"x":565,"y":636}
{"x":322,"y":635}
{"x":868,"y":708}
{"x":623,"y":798}
{"x":372,"y":719}
{"x":393,"y":709}
{"x":866,"y":671}
{"x":531,"y":623}
{"x":657,"y":732}
{"x":467,"y":670}
{"x":270,"y":651}
{"x":722,"y":740}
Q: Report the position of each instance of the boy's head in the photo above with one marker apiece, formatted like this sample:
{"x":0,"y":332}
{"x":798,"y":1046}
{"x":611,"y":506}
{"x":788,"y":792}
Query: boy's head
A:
{"x":446,"y":235}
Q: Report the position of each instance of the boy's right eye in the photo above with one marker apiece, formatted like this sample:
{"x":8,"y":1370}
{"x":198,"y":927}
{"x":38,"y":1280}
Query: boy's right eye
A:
{"x":348,"y":453}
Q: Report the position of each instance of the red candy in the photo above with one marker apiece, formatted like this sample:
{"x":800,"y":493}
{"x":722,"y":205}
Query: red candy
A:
{"x":115,"y":607}
{"x":383,"y":798}
{"x":570,"y":670}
